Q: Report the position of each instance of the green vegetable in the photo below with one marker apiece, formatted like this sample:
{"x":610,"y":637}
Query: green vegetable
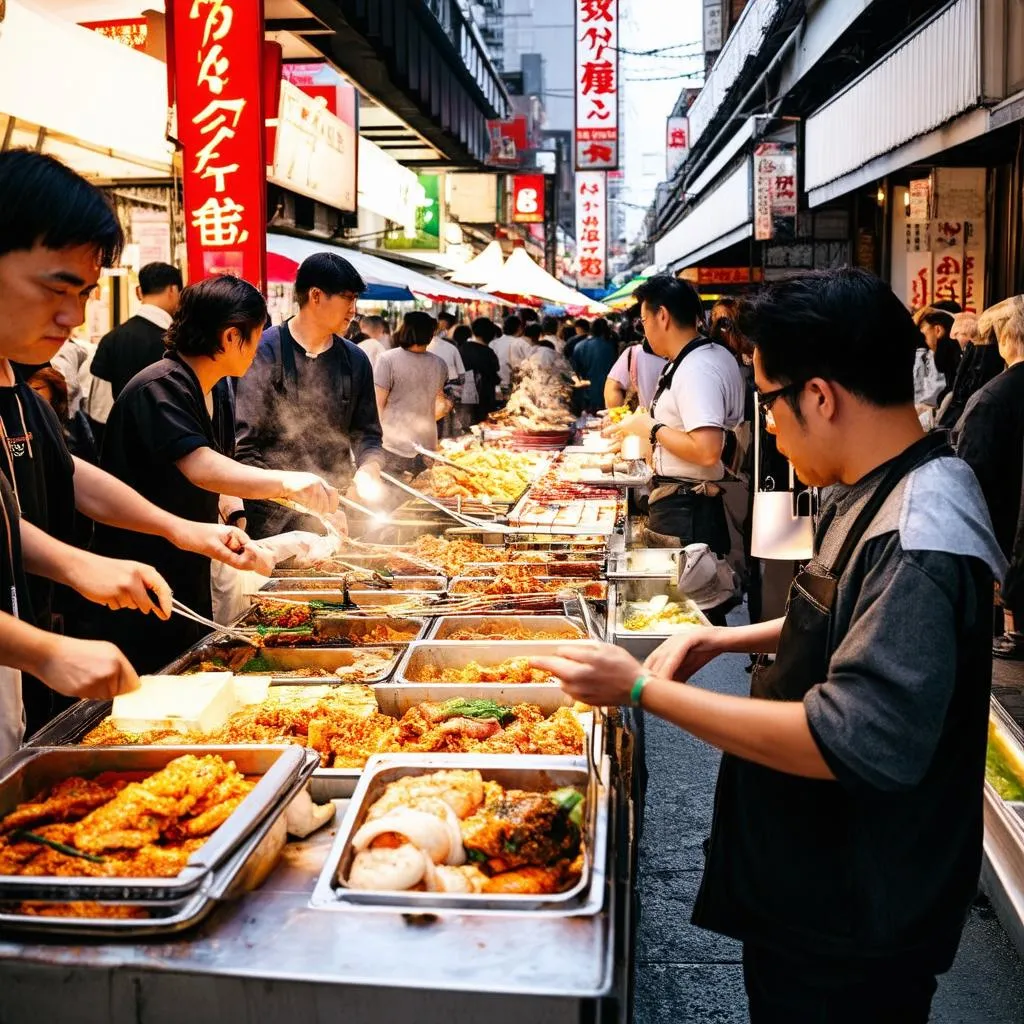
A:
{"x":328,"y":606}
{"x":1000,"y":774}
{"x":477,"y":856}
{"x":260,"y":663}
{"x":290,"y":630}
{"x":69,"y":851}
{"x":459,"y":707}
{"x":570,"y":800}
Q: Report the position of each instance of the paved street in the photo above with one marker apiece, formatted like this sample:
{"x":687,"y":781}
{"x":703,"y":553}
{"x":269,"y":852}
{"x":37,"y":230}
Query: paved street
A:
{"x":688,"y":975}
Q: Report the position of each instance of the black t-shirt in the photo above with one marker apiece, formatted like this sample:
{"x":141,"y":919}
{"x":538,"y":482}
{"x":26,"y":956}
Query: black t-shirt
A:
{"x":160,"y":417}
{"x":38,"y":465}
{"x":483,"y":363}
{"x":128,"y":350}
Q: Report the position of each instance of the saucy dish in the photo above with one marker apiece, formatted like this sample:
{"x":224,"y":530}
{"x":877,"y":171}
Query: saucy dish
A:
{"x":511,"y":670}
{"x":345,"y":726}
{"x":452,"y":831}
{"x":352,"y":665}
{"x":496,"y":629}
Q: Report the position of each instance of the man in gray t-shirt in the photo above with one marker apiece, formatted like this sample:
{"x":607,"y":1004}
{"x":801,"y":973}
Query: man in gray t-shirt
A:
{"x":846,"y":840}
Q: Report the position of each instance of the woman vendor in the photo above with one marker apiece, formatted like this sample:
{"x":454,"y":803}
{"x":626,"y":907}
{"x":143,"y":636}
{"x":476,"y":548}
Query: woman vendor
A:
{"x":171,"y":437}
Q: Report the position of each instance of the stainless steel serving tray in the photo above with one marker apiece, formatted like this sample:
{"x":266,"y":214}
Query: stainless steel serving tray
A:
{"x":387,"y":598}
{"x":594,"y":590}
{"x":638,"y":642}
{"x":444,"y":626}
{"x":401,"y":563}
{"x":291,"y":659}
{"x":543,"y":567}
{"x":36,"y":769}
{"x":645,"y":564}
{"x":331,"y":586}
{"x":459,"y":653}
{"x":539,"y":774}
{"x":347,"y":629}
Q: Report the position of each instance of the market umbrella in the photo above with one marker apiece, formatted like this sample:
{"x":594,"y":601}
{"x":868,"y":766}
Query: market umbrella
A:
{"x":523,"y":280}
{"x":622,"y":297}
{"x":482,"y":267}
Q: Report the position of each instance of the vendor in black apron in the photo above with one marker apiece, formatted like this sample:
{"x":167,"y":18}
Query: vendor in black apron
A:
{"x":699,"y":397}
{"x":171,"y":436}
{"x":308,"y":401}
{"x":846,"y":841}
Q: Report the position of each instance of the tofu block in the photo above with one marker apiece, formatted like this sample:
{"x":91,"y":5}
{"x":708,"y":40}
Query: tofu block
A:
{"x":251,"y":689}
{"x":200,"y":704}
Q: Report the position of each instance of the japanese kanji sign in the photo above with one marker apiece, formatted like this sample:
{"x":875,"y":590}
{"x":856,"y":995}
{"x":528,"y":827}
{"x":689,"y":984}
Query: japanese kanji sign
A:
{"x":775,"y":195}
{"x":677,"y":145}
{"x":215,"y":57}
{"x":591,"y":229}
{"x":130,"y":32}
{"x":597,"y":85}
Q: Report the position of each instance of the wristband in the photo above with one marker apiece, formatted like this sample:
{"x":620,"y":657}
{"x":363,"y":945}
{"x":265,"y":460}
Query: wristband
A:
{"x":637,"y":691}
{"x":233,"y":517}
{"x":654,"y":433}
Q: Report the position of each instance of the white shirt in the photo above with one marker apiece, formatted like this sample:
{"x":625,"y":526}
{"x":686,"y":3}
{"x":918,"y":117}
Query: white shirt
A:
{"x":450,"y":354}
{"x":707,"y":391}
{"x":155,"y":315}
{"x":511,"y":351}
{"x":544,"y":357}
{"x":373,"y":349}
{"x":646,"y":366}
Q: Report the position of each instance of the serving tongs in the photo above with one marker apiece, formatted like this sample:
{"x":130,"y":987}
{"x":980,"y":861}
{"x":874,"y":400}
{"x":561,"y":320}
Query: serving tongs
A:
{"x":248,"y":636}
{"x":461,"y":518}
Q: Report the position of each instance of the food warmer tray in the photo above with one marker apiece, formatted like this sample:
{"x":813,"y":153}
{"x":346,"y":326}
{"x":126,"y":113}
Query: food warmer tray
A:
{"x":528,"y":772}
{"x":342,"y":627}
{"x":332,"y":586}
{"x":399,"y":562}
{"x":645,"y":564}
{"x":444,"y":626}
{"x":36,"y":768}
{"x":543,"y":567}
{"x":640,"y":643}
{"x":593,"y":590}
{"x":459,"y":653}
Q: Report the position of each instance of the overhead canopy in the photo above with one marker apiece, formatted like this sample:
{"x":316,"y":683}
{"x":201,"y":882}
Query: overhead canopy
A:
{"x":483,"y":267}
{"x":523,"y":280}
{"x":387,"y":281}
{"x":623,"y":297}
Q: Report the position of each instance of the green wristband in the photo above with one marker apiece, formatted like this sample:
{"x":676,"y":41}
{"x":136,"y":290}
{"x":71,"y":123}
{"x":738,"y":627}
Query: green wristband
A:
{"x":637,"y":690}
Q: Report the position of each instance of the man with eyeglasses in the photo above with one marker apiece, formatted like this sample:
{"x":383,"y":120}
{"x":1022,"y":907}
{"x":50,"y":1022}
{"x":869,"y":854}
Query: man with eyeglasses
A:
{"x":700,"y":396}
{"x":308,"y":402}
{"x":846,"y":840}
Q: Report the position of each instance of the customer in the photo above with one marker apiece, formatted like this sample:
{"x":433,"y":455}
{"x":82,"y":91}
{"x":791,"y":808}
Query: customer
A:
{"x":980,"y":363}
{"x":699,"y":397}
{"x":990,"y":439}
{"x":846,"y":839}
{"x":410,"y":384}
{"x":582,"y":329}
{"x":511,"y":349}
{"x":307,"y":402}
{"x":542,"y":353}
{"x":549,"y":333}
{"x":171,"y":437}
{"x":139,"y":341}
{"x":634,"y":376}
{"x":441,"y":346}
{"x":377,"y":338}
{"x":592,"y":359}
{"x":935,"y":325}
{"x":482,"y":372}
{"x":50,"y":386}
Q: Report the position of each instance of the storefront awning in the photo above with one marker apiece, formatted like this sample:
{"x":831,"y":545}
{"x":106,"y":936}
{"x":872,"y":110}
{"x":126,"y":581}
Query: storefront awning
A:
{"x":483,"y":267}
{"x":388,"y":281}
{"x":523,"y":280}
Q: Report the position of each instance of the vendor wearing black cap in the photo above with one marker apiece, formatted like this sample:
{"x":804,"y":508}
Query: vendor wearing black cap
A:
{"x":846,"y":840}
{"x":308,"y":401}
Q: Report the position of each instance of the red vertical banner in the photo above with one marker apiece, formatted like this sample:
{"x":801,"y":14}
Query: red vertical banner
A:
{"x":215,"y":54}
{"x":591,"y":229}
{"x":597,"y":85}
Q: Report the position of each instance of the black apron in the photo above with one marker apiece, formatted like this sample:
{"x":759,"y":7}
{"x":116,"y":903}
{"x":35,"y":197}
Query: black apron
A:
{"x":797,"y":894}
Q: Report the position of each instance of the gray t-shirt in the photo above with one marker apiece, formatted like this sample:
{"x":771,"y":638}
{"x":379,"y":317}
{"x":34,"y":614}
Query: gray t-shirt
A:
{"x":412,"y":380}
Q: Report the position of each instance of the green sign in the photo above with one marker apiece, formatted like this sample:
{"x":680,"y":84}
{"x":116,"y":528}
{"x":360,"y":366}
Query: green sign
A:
{"x":428,"y":219}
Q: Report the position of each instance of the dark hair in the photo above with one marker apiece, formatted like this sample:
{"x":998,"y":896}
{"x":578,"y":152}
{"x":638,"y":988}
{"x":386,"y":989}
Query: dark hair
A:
{"x":583,"y":325}
{"x":532,"y":331}
{"x":845,"y":325}
{"x":208,"y":309}
{"x":58,"y":386}
{"x":512,"y":325}
{"x":376,"y":322}
{"x":444,"y":317}
{"x":600,"y":329}
{"x":484,"y":329}
{"x":360,"y":337}
{"x":948,"y":306}
{"x":680,"y":298}
{"x":528,"y":315}
{"x":461,"y":334}
{"x":937,"y":317}
{"x":567,"y":333}
{"x":549,"y":325}
{"x":47,"y":203}
{"x":417,"y":329}
{"x":331,"y":273}
{"x":155,"y":278}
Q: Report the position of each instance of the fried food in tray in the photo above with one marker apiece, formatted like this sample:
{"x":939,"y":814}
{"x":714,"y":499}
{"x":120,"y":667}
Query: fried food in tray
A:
{"x":640,"y":617}
{"x":452,"y":831}
{"x":501,"y":629}
{"x":119,"y":825}
{"x":291,"y":624}
{"x":352,"y":665}
{"x":453,"y":555}
{"x":522,"y":579}
{"x":511,"y":670}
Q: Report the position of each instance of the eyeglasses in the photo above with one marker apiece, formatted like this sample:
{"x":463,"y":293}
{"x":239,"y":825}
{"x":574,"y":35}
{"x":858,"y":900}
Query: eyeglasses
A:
{"x":767,"y":399}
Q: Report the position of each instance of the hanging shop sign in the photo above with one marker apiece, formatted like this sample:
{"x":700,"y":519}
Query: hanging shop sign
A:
{"x":130,"y":32}
{"x":426,"y":232}
{"x":214,"y":56}
{"x":315,"y":150}
{"x":713,"y":26}
{"x":597,"y":85}
{"x":509,"y":140}
{"x":528,"y":199}
{"x":151,"y":232}
{"x":677,"y":145}
{"x":722,"y":275}
{"x":591,"y":229}
{"x":775,"y":198}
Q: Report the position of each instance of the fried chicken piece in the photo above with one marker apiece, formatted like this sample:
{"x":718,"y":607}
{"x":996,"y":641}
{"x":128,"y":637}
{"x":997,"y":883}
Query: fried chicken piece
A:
{"x":521,"y":828}
{"x":462,"y":790}
{"x":527,"y":881}
{"x":512,"y":670}
{"x":67,"y":801}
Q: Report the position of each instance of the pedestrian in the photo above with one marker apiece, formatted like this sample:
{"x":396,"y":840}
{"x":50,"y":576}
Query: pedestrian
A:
{"x":592,"y":359}
{"x":376,"y":338}
{"x":980,"y":363}
{"x":935,"y":325}
{"x":990,"y":439}
{"x":846,"y":837}
{"x":634,"y":377}
{"x":139,"y":341}
{"x":549,"y":333}
{"x":511,"y":348}
{"x":442,"y":347}
{"x":307,"y":402}
{"x":542,"y":353}
{"x":483,"y":371}
{"x":410,"y":383}
{"x":700,"y":396}
{"x":582,"y":332}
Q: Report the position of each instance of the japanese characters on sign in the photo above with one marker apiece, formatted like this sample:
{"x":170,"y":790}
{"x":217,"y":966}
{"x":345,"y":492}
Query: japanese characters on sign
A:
{"x":528,"y":199}
{"x":775,"y":194}
{"x":597,"y":85}
{"x":216,"y":51}
{"x":509,"y":140}
{"x":591,"y":229}
{"x":130,"y":32}
{"x":677,"y":145}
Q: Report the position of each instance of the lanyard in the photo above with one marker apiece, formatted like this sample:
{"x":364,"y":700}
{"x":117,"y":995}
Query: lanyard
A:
{"x":5,"y":442}
{"x":669,"y":372}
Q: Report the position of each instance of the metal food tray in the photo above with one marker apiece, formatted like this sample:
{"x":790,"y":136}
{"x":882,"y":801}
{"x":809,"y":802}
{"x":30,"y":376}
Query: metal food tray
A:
{"x":406,"y":566}
{"x":527,"y":772}
{"x":332,"y":586}
{"x":594,"y":590}
{"x":544,"y":568}
{"x":288,"y":659}
{"x":459,"y":653}
{"x":444,"y":626}
{"x":385,"y":598}
{"x":342,"y":627}
{"x":645,"y":564}
{"x":36,"y":769}
{"x":640,"y":643}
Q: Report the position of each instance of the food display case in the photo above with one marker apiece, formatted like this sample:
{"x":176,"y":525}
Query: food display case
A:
{"x":643,"y":613}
